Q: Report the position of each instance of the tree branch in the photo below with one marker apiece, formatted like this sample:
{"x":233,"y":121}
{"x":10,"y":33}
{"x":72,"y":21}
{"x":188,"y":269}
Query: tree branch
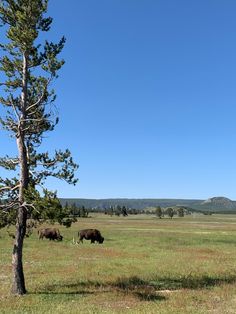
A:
{"x":40,"y":99}
{"x":9,"y":188}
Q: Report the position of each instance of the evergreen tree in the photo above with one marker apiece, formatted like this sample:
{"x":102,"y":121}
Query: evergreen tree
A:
{"x":111,"y":210}
{"x":117,"y":210}
{"x":73,"y":209}
{"x":180,"y":212}
{"x":158,"y":212}
{"x":170,"y":212}
{"x":124,"y":211}
{"x":83,"y":212}
{"x":27,"y":72}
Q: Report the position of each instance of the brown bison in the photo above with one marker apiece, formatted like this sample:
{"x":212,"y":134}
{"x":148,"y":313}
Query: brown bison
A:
{"x":50,"y":233}
{"x":90,"y":234}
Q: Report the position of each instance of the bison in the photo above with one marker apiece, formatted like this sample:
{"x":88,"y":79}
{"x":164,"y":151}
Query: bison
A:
{"x":50,"y":233}
{"x":90,"y":234}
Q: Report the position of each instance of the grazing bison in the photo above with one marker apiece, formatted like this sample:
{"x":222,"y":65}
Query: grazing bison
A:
{"x":90,"y":234}
{"x":50,"y":233}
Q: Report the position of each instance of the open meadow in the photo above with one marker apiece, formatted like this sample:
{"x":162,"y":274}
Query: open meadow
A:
{"x":145,"y":265}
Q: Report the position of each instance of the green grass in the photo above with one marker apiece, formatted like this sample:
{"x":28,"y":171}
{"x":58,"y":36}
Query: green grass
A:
{"x":146,"y":265}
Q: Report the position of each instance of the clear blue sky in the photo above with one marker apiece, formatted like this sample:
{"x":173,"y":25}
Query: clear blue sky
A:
{"x":147,"y":97}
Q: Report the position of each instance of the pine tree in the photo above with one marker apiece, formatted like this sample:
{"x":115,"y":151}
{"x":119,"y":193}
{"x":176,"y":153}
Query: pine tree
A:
{"x":124,"y":211}
{"x":83,"y":212}
{"x":28,"y":69}
{"x":180,"y":212}
{"x":111,"y":210}
{"x":73,"y":209}
{"x":170,"y":212}
{"x":158,"y":212}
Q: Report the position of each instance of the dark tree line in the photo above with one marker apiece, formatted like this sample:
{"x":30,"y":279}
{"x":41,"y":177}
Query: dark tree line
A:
{"x":116,"y":210}
{"x":170,"y":212}
{"x":77,"y":211}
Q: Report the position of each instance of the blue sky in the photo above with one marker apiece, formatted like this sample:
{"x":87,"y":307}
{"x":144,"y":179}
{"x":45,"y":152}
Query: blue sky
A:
{"x":146,"y":98}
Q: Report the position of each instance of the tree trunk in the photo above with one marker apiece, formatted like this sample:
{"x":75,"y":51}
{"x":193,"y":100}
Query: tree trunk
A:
{"x":18,"y":284}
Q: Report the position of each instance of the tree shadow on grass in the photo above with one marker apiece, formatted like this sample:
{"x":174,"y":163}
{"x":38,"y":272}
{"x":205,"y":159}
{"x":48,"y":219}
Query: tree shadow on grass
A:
{"x":173,"y":283}
{"x":59,"y":292}
{"x":195,"y":281}
{"x":144,"y":290}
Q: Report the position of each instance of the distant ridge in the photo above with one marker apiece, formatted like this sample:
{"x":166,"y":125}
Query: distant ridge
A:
{"x":140,"y":204}
{"x":215,"y":204}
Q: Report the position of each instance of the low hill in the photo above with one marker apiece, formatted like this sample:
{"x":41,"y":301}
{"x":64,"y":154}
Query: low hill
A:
{"x":217,"y":204}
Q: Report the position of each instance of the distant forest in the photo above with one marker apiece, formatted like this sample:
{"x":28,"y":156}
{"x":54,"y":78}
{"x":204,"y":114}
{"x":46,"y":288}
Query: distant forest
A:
{"x":142,"y":204}
{"x":138,"y":204}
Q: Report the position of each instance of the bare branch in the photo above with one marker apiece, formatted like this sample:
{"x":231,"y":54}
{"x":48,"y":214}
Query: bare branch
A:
{"x":40,"y":99}
{"x":30,"y":206}
{"x":9,"y":188}
{"x":6,"y":207}
{"x":16,"y":113}
{"x":32,"y":120}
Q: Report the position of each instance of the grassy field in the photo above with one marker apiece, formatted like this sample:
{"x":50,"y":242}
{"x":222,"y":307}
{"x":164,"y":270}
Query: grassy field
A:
{"x":146,"y":265}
